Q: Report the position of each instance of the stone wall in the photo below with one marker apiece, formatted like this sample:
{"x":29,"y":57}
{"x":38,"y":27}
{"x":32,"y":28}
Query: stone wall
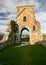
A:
{"x":42,"y":43}
{"x":8,"y":38}
{"x":14,"y":28}
{"x":30,"y":23}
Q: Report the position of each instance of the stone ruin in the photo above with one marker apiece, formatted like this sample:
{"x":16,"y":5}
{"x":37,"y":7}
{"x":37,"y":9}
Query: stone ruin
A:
{"x":25,"y":19}
{"x":8,"y":38}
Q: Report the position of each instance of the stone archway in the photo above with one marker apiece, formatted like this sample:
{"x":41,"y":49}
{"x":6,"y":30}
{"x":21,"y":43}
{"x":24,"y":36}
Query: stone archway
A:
{"x":24,"y":37}
{"x":26,"y":19}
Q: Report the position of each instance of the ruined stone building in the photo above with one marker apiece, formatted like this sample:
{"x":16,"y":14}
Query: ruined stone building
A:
{"x":25,"y":19}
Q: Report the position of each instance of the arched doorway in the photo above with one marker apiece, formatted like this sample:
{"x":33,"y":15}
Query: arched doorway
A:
{"x":24,"y":36}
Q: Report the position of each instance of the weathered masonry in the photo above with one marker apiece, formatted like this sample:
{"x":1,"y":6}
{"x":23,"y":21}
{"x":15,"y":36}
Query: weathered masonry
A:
{"x":25,"y":19}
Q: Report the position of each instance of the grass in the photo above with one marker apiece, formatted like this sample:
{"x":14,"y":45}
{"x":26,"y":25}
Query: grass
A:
{"x":23,"y":55}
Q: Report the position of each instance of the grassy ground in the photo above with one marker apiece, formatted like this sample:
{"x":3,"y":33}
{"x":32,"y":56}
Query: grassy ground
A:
{"x":23,"y":55}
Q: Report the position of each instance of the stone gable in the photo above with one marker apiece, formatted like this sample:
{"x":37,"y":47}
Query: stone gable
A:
{"x":28,"y":13}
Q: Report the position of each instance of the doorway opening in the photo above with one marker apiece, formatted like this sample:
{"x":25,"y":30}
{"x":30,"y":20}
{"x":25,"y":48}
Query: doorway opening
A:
{"x":24,"y":36}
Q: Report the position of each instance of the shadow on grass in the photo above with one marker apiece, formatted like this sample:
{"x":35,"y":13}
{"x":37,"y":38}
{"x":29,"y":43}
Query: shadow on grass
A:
{"x":23,"y":55}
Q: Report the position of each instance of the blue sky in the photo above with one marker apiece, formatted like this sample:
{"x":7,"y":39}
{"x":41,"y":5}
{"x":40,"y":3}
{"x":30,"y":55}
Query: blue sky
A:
{"x":8,"y":12}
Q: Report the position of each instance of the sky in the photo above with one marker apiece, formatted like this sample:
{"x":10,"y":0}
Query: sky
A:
{"x":8,"y":12}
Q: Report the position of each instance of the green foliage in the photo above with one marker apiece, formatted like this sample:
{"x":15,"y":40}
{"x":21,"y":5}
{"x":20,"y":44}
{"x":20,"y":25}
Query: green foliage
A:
{"x":23,"y":55}
{"x":14,"y":26}
{"x":11,"y":37}
{"x":44,"y":36}
{"x":1,"y":36}
{"x":25,"y":39}
{"x":12,"y":34}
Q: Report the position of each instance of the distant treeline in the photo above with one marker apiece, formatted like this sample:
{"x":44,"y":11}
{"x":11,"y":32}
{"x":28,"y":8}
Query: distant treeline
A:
{"x":44,"y":36}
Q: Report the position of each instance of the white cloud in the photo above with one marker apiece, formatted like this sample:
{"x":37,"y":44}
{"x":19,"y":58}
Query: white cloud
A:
{"x":35,"y":2}
{"x":43,"y":26}
{"x":3,"y":22}
{"x":41,"y":16}
{"x":43,"y":31}
{"x":12,"y":16}
{"x":3,"y":29}
{"x":10,"y":6}
{"x":29,"y":2}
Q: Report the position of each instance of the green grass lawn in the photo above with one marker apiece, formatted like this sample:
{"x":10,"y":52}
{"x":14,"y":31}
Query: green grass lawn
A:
{"x":23,"y":55}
